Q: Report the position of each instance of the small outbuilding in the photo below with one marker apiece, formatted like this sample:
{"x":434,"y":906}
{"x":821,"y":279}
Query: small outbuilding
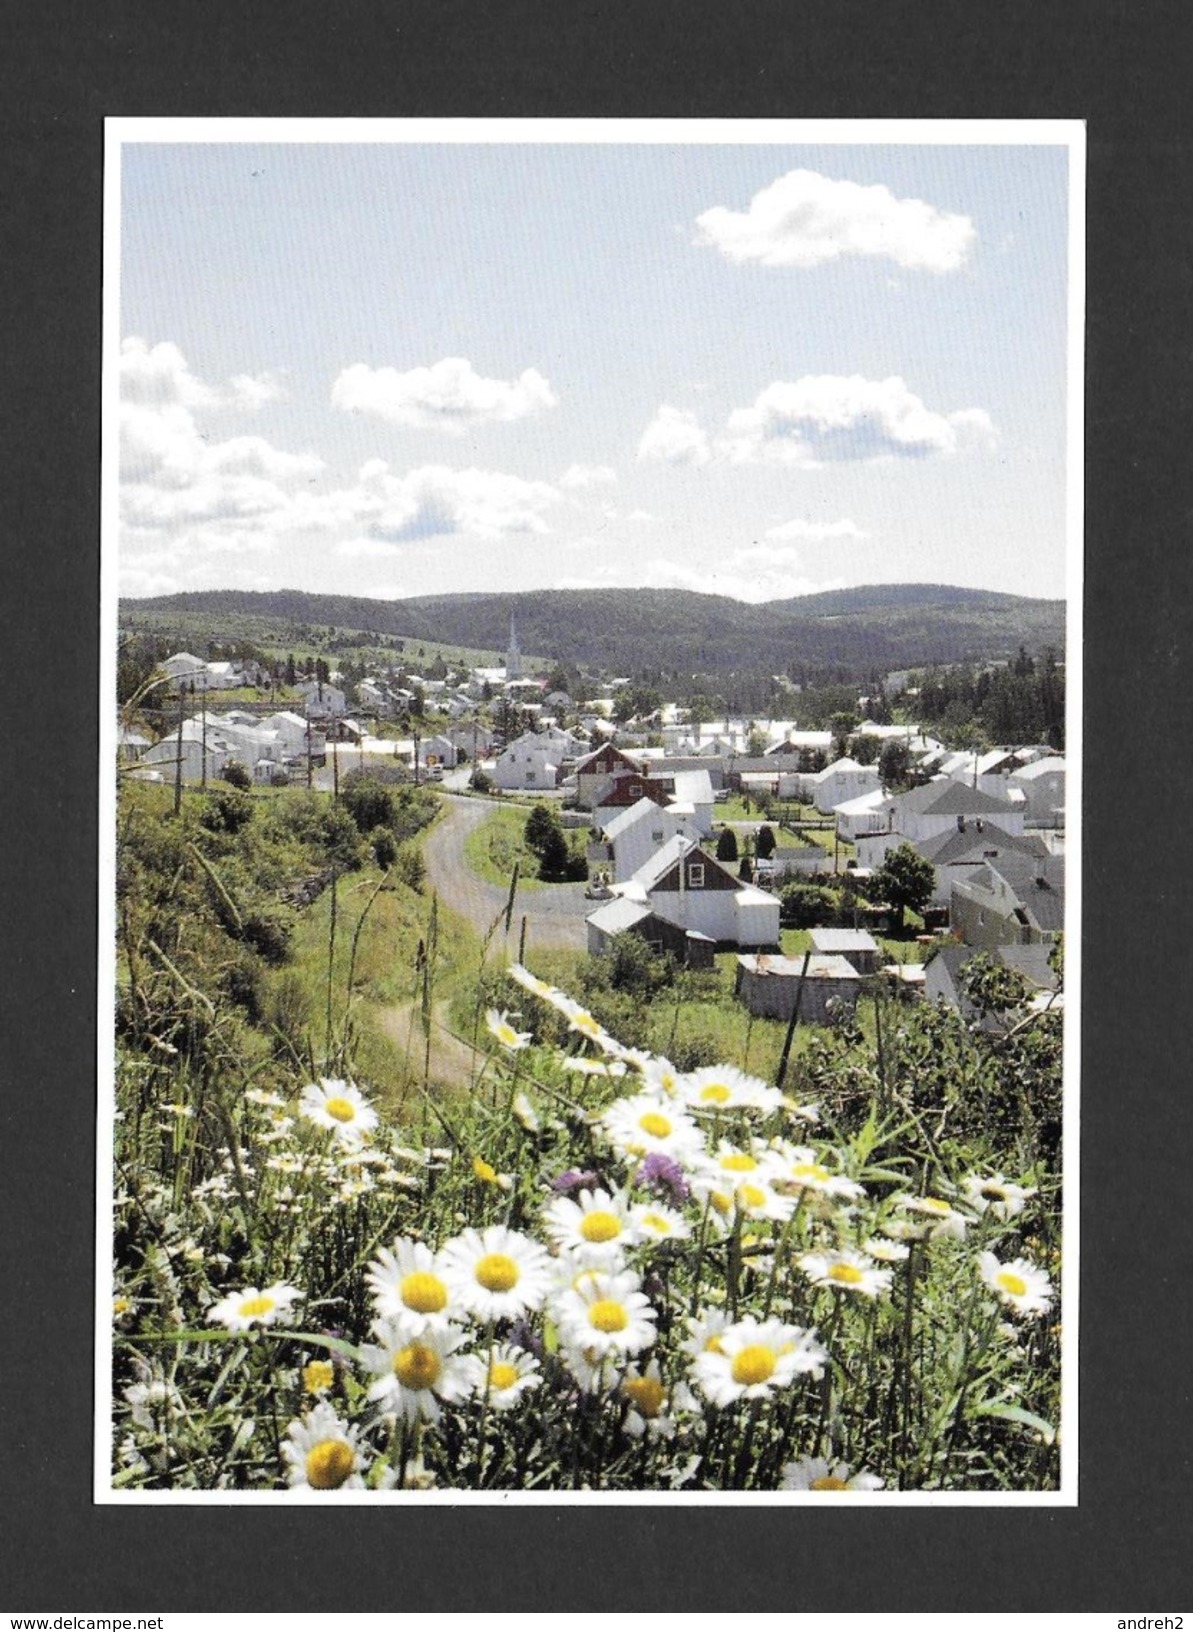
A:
{"x":856,"y":945}
{"x":825,"y":985}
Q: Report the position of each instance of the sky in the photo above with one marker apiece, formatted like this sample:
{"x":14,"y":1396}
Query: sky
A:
{"x":751,"y":368}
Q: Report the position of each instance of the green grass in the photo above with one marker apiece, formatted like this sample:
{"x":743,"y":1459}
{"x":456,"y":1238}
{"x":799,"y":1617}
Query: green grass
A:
{"x":492,"y":849}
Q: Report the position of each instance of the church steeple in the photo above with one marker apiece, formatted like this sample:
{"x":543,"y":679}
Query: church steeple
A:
{"x":513,"y":657}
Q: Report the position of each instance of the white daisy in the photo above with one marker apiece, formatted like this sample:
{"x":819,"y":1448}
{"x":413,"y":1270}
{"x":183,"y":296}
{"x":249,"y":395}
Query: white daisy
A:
{"x":735,"y":1180}
{"x":594,"y":1068}
{"x":606,"y":1314}
{"x":323,"y":1453}
{"x":646,"y":1123}
{"x":532,"y":983}
{"x":596,"y":1226}
{"x":887,"y":1252}
{"x":241,"y":1310}
{"x":934,"y":1220}
{"x":504,"y":1376}
{"x":661,"y":1077}
{"x":340,"y":1107}
{"x":506,"y":1035}
{"x":1004,"y":1199}
{"x":753,"y":1358}
{"x":803,"y":1172}
{"x":705,"y":1331}
{"x":1019,"y":1283}
{"x":150,"y":1399}
{"x":654,"y":1222}
{"x":847,"y":1271}
{"x":496,"y":1274}
{"x":407,"y":1283}
{"x":814,"y":1473}
{"x":651,"y":1403}
{"x":412,"y":1374}
{"x":725,"y":1088}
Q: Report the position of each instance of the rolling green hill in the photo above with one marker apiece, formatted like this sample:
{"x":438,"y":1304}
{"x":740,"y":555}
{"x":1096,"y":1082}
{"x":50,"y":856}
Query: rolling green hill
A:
{"x":631,"y":631}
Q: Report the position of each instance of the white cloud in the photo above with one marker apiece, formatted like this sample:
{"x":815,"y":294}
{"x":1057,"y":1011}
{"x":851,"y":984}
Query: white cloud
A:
{"x":435,"y":501}
{"x":449,"y":396}
{"x":816,"y":529}
{"x":182,"y":492}
{"x":158,"y":378}
{"x":675,"y":437}
{"x":579,"y":476}
{"x":805,"y":219}
{"x":827,"y":418}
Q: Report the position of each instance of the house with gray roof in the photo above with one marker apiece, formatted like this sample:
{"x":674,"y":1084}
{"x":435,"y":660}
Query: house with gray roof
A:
{"x":1012,"y":900}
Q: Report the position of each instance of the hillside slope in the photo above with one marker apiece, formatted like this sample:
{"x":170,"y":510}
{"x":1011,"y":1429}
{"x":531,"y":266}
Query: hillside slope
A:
{"x":628,"y":631}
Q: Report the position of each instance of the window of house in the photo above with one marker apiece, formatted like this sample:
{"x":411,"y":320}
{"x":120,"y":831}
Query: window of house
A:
{"x":657,"y":836}
{"x":696,"y":875}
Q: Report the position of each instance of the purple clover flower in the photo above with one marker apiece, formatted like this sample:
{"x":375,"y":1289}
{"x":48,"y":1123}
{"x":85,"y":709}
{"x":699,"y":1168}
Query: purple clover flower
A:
{"x":574,"y":1180}
{"x":663,"y":1175}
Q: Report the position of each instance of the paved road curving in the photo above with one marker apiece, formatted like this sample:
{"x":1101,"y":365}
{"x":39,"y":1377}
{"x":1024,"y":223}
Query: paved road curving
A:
{"x":554,"y":913}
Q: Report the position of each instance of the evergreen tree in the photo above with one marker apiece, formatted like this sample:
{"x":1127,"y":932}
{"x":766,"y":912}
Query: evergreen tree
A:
{"x":727,"y":845}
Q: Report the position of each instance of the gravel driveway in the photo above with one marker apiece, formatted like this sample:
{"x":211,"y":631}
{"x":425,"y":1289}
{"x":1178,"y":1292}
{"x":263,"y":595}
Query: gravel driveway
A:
{"x":554,"y":913}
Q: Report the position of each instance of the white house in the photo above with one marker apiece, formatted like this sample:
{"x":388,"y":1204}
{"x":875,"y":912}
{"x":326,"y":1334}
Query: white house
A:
{"x":634,"y":835}
{"x":292,"y":731}
{"x":685,"y":885}
{"x":1043,"y":784}
{"x":842,"y":780}
{"x":939,"y":806}
{"x":322,"y":700}
{"x":191,"y":750}
{"x":866,"y":814}
{"x":530,"y":761}
{"x":186,"y":667}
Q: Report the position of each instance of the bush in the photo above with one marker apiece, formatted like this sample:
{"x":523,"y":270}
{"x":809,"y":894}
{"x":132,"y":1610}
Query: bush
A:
{"x":384,"y":846}
{"x":236,"y":776}
{"x":803,"y":906}
{"x":410,"y":866}
{"x":226,"y":812}
{"x":764,"y":846}
{"x":480,"y":781}
{"x":727,"y":845}
{"x":368,"y":803}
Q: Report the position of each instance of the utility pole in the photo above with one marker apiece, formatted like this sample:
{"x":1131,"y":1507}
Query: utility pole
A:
{"x":178,"y":752}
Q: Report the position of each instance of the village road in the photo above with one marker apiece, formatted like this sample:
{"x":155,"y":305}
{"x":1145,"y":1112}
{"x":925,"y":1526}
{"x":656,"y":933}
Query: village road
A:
{"x":554,"y":913}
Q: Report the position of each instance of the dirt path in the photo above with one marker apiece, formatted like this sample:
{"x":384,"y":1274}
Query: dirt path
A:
{"x":452,"y":1059}
{"x":554,"y":913}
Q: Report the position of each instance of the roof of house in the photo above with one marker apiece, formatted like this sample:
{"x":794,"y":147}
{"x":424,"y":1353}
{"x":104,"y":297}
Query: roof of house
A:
{"x":1040,"y":767}
{"x":944,"y":797}
{"x":630,"y":817}
{"x":823,"y":966}
{"x":972,"y":843}
{"x":842,"y":940}
{"x":616,"y":916}
{"x":1039,"y":883}
{"x":1030,"y":961}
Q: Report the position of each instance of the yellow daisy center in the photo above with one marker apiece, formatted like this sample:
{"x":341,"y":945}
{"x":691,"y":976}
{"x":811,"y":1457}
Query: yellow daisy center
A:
{"x":1012,"y":1283}
{"x":751,"y":1195}
{"x":317,"y":1376}
{"x":342,"y":1109}
{"x":713,"y":1345}
{"x":121,"y":1306}
{"x":753,"y":1364}
{"x":584,"y":1022}
{"x":251,"y":1308}
{"x":647,"y":1394}
{"x":828,"y":1483}
{"x":597,"y":1226}
{"x":656,"y":1221}
{"x":992,"y":1189}
{"x":608,"y":1316}
{"x":329,"y":1463}
{"x":809,"y":1170}
{"x":655,"y":1124}
{"x":502,"y":1375}
{"x":721,"y":1201}
{"x":423,"y":1292}
{"x":506,"y":1034}
{"x":716,"y":1093}
{"x":497,"y":1272}
{"x":847,"y":1273}
{"x":416,"y":1366}
{"x":738,"y":1162}
{"x":931,"y":1204}
{"x":483,"y":1171}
